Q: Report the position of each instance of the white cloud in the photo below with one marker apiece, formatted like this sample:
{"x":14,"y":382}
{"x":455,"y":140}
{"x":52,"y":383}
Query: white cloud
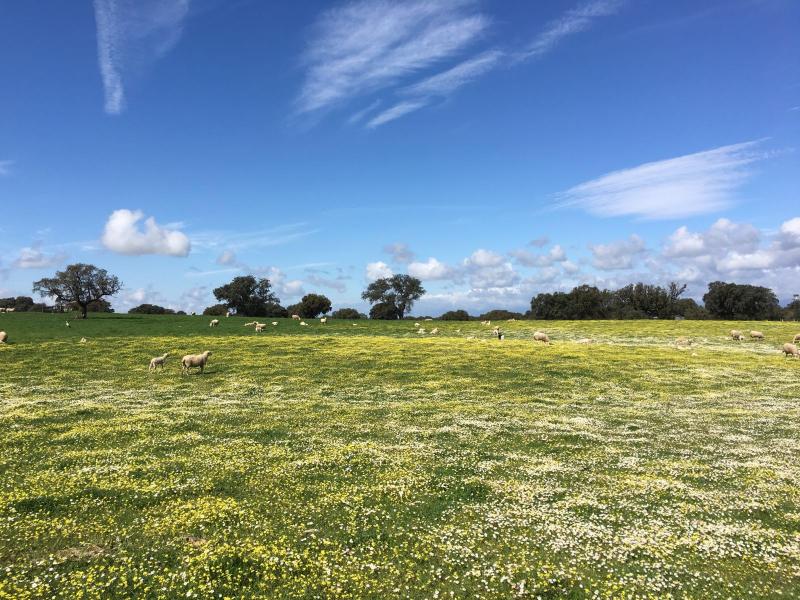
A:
{"x":378,"y":270}
{"x":617,"y":255}
{"x":5,"y":167}
{"x":132,"y":34}
{"x":790,"y":233}
{"x":34,"y":258}
{"x":556,"y":254}
{"x":395,"y":112}
{"x":228,"y":257}
{"x":484,"y":258}
{"x":367,"y":45}
{"x":123,"y":236}
{"x":574,"y":21}
{"x":431,"y":269}
{"x":678,"y":187}
{"x":487,"y":269}
{"x":401,"y":253}
{"x":447,"y":82}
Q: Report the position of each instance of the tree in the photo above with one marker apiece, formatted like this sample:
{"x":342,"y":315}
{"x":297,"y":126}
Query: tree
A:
{"x":313,"y":305}
{"x":498,"y":314}
{"x":99,"y":306}
{"x":741,"y":302}
{"x":347,"y":313}
{"x":792,"y":311}
{"x":18,"y":303}
{"x":80,"y":284}
{"x":455,"y":315}
{"x":385,"y":311}
{"x":150,"y":309}
{"x":400,"y":291}
{"x":248,"y":297}
{"x":216,"y":310}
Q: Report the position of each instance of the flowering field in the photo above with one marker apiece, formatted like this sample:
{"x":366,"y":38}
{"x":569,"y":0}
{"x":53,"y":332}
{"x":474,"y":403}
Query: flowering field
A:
{"x":345,"y":461}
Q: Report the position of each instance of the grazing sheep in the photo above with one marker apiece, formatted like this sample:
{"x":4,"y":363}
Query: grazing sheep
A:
{"x":3,"y":337}
{"x":260,"y":327}
{"x":274,"y":323}
{"x":757,"y":335}
{"x":541,"y":337}
{"x":791,"y":350}
{"x":486,"y":323}
{"x":500,"y":335}
{"x":434,"y":331}
{"x":323,"y":320}
{"x":796,"y":338}
{"x":195,"y":360}
{"x":250,"y":323}
{"x":416,"y":324}
{"x":421,"y":330}
{"x":736,"y":335}
{"x":158,"y":361}
{"x":214,"y":323}
{"x":10,"y":309}
{"x":296,"y":317}
{"x":683,"y":341}
{"x":303,"y":323}
{"x":83,"y":341}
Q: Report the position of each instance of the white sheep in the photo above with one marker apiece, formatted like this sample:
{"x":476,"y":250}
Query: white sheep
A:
{"x":796,"y":338}
{"x":274,"y":323}
{"x":323,"y":320}
{"x":214,"y":323}
{"x":416,"y":324}
{"x":791,"y":350}
{"x":250,"y":323}
{"x":421,"y":330}
{"x":757,"y":335}
{"x":736,"y":335}
{"x":10,"y":309}
{"x":195,"y":360}
{"x":158,"y":361}
{"x":3,"y":337}
{"x":487,"y":323}
{"x":434,"y":331}
{"x":83,"y":340}
{"x":260,"y":327}
{"x":296,"y":317}
{"x":541,"y":337}
{"x":303,"y":323}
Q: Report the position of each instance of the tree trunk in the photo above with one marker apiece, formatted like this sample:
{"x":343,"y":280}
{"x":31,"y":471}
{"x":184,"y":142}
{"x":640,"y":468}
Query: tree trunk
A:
{"x":84,"y":309}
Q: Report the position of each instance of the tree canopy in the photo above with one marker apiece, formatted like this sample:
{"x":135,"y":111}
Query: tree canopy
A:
{"x":347,"y":313}
{"x":249,"y":297}
{"x":80,"y":284}
{"x":150,"y":309}
{"x":741,"y":301}
{"x":398,"y":293}
{"x":312,"y":306}
{"x":455,"y":315}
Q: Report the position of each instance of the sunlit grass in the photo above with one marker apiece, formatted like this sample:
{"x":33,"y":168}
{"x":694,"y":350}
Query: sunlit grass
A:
{"x":370,"y":461}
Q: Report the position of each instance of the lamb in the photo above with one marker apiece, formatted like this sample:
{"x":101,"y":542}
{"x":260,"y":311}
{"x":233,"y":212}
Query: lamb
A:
{"x":214,"y":323}
{"x":757,"y":335}
{"x":791,"y":350}
{"x":323,"y":320}
{"x":296,"y":317}
{"x":158,"y":361}
{"x":541,"y":337}
{"x":194,"y":360}
{"x":3,"y":337}
{"x":736,"y":335}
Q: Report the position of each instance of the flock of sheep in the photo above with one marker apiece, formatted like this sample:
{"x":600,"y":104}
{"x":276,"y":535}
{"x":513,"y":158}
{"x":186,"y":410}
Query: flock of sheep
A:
{"x":789,"y":349}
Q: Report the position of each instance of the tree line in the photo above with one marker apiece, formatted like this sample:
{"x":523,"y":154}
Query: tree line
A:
{"x":84,"y":288}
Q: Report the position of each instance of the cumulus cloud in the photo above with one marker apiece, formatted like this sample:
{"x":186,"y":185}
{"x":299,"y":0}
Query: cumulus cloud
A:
{"x":227,"y":257}
{"x":617,"y":255}
{"x":34,"y":258}
{"x":487,"y":269}
{"x":131,"y":35}
{"x":556,"y":254}
{"x":378,"y":270}
{"x":431,"y":269}
{"x":689,"y":185}
{"x":123,"y":236}
{"x":400,"y":253}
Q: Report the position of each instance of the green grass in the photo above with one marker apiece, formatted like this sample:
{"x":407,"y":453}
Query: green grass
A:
{"x":371,"y":462}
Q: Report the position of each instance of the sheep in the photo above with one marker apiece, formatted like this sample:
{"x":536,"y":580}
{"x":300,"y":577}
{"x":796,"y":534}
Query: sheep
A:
{"x":323,"y":320}
{"x":429,"y":319}
{"x":487,"y":323}
{"x":250,"y":323}
{"x":274,"y":323}
{"x":421,"y":330}
{"x":83,"y":340}
{"x":791,"y":350}
{"x":296,"y":317}
{"x":736,"y":335}
{"x":158,"y":361}
{"x":683,"y":341}
{"x":434,"y":331}
{"x":10,"y":309}
{"x":214,"y":323}
{"x":260,"y":327}
{"x":3,"y":337}
{"x":499,"y":334}
{"x":541,"y":337}
{"x":511,"y":320}
{"x":796,"y":338}
{"x":303,"y":323}
{"x":2,"y":310}
{"x":416,"y":324}
{"x":757,"y":335}
{"x":194,"y":360}
{"x":67,"y":323}
{"x":227,"y":314}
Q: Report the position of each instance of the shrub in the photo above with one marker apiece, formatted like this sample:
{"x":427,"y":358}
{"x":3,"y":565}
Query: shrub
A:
{"x":347,"y":313}
{"x":150,"y":309}
{"x":455,"y":315}
{"x":216,"y":310}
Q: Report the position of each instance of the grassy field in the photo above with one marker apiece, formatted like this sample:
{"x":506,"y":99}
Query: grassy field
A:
{"x":369,"y":461}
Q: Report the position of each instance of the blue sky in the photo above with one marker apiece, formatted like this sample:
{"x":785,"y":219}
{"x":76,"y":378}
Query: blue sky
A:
{"x":493,"y":149}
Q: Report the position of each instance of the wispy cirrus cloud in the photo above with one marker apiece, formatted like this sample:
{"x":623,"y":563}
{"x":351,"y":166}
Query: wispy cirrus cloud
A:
{"x":131,"y":35}
{"x":368,"y":45}
{"x":688,"y":185}
{"x":572,"y":22}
